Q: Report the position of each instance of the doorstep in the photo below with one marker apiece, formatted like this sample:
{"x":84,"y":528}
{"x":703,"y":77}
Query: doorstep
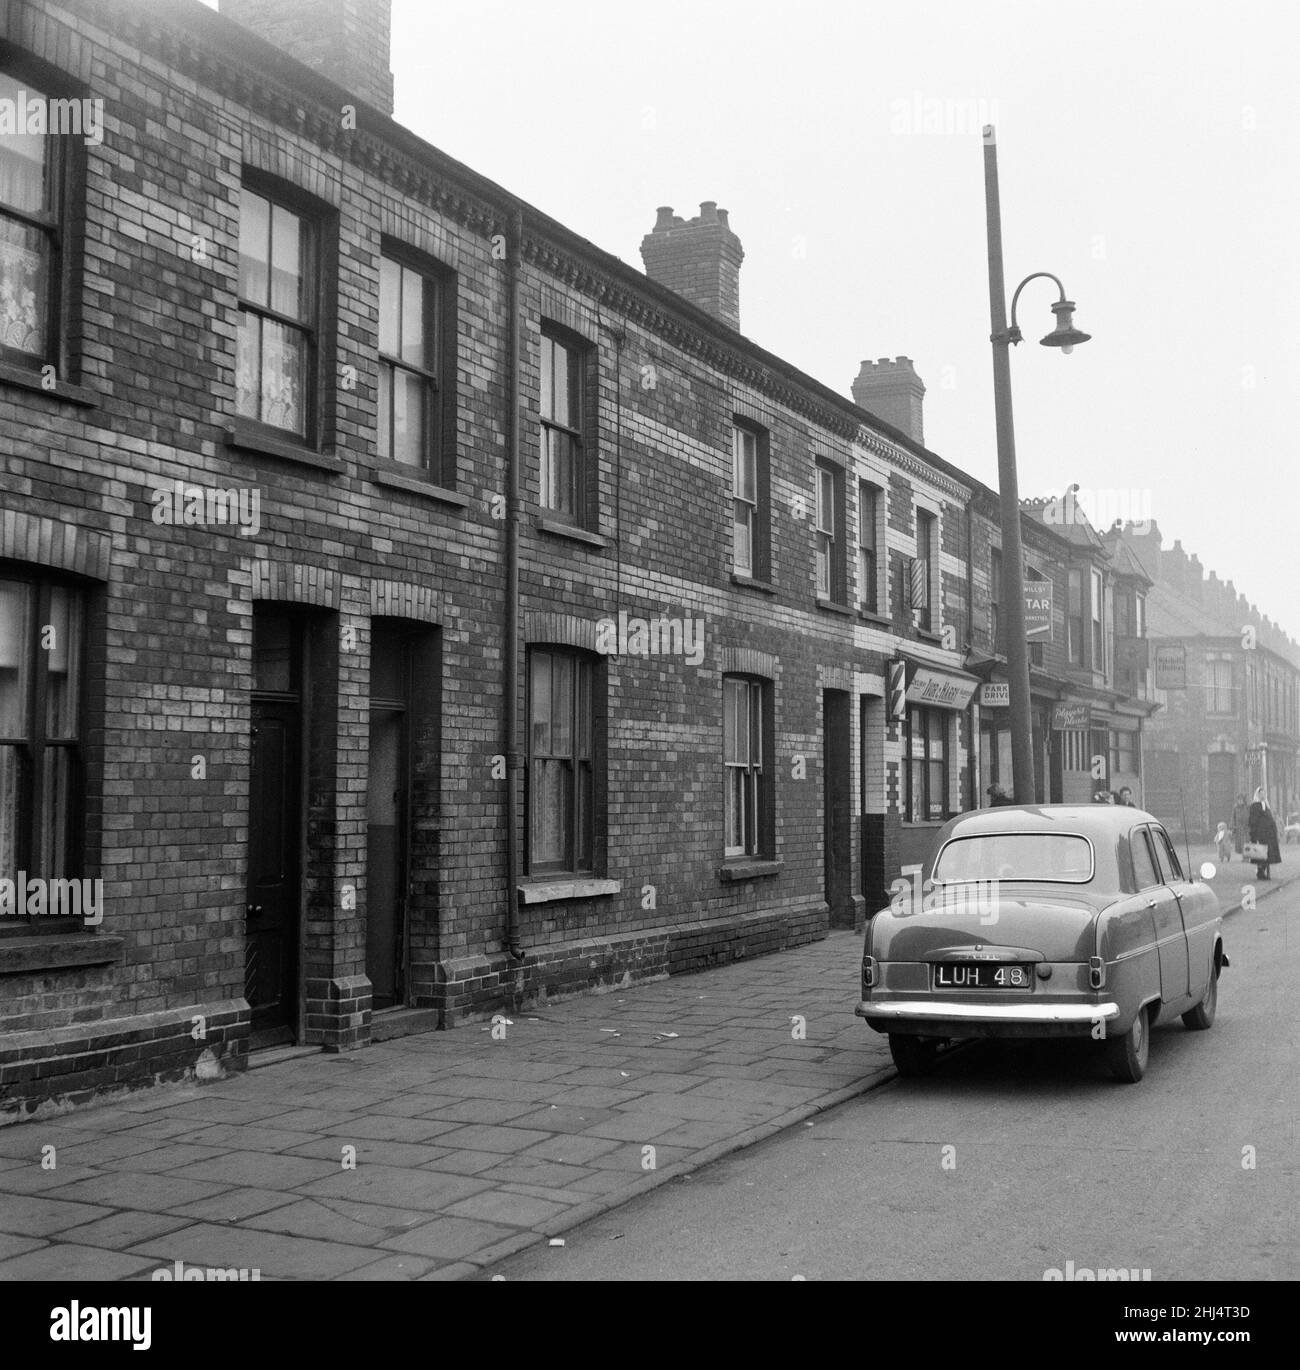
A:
{"x":275,"y":1055}
{"x":403,"y":1022}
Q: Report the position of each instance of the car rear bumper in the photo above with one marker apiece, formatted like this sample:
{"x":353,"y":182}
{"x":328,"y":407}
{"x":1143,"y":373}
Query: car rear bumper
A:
{"x":960,"y":1018}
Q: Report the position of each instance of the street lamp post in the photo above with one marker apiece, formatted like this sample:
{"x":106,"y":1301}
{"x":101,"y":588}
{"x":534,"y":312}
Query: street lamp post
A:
{"x":1065,"y":336}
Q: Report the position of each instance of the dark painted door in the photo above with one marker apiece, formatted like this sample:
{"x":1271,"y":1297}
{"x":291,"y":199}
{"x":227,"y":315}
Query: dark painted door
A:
{"x":386,"y":856}
{"x":271,"y":931}
{"x":837,"y":801}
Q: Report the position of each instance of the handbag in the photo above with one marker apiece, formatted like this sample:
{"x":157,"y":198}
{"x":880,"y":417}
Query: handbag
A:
{"x":1254,"y":851}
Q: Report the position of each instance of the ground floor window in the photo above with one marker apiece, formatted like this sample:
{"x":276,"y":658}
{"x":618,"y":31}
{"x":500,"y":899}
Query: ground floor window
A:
{"x":1074,"y":750}
{"x":561,"y":815}
{"x":41,"y":653}
{"x":926,"y":766}
{"x":1123,"y":752}
{"x":745,"y":714}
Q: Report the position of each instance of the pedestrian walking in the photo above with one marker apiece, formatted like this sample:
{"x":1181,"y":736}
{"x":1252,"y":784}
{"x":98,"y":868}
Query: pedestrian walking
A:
{"x":1240,"y":822}
{"x":1264,"y":850}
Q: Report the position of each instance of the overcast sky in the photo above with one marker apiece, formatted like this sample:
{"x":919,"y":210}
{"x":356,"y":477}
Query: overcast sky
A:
{"x":1149,"y":155}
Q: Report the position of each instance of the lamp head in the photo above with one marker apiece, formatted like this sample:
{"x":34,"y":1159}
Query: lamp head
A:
{"x":1065,"y":335}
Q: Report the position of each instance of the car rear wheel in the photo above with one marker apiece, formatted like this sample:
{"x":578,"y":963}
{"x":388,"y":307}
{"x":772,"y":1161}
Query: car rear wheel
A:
{"x":1202,"y":1016}
{"x":1127,"y":1055}
{"x":913,"y":1055}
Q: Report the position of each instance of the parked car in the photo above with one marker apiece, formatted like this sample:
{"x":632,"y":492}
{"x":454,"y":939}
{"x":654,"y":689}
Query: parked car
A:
{"x":1056,"y":920}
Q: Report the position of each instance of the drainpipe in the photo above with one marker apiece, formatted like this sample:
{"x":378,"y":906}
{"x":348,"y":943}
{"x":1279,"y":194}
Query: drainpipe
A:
{"x":510,"y":627}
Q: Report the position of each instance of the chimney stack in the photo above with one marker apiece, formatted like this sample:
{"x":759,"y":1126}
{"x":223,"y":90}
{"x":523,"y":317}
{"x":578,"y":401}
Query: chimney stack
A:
{"x":892,"y":391}
{"x":698,"y":258}
{"x":349,"y":41}
{"x":1146,"y":546}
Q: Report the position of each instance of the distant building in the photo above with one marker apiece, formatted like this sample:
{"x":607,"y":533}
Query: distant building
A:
{"x":1228,"y":682}
{"x":1089,"y":691}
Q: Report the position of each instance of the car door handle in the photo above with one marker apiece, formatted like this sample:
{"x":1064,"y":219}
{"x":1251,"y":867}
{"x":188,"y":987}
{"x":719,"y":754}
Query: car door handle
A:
{"x":1151,"y":903}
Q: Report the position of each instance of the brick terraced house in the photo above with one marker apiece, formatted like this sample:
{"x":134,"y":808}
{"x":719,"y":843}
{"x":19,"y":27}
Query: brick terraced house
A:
{"x":1229,"y":691}
{"x":407,"y":609}
{"x":1090,"y":692}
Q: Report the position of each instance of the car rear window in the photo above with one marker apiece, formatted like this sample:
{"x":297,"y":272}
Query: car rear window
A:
{"x":1057,"y":856}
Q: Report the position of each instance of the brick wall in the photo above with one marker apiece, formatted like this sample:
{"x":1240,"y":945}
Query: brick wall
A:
{"x":341,"y":543}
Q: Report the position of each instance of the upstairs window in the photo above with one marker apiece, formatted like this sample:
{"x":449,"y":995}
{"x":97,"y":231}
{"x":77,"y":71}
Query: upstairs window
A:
{"x":1098,"y":633}
{"x":563,"y":456}
{"x":30,"y":180}
{"x":923,"y":575}
{"x":744,"y":499}
{"x":868,"y":561}
{"x":829,"y":517}
{"x":1219,"y":692}
{"x":411,"y":306}
{"x":1074,"y":617}
{"x":276,"y":349}
{"x":825,"y":530}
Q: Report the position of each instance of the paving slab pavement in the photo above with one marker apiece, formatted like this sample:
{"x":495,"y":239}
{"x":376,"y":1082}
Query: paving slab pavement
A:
{"x":433,"y":1156}
{"x":430,"y":1156}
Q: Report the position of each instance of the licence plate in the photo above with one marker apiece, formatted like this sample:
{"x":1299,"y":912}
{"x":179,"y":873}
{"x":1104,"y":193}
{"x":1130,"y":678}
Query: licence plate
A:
{"x":981,"y":975}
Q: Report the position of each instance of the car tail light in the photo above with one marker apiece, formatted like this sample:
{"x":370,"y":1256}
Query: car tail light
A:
{"x":1096,"y":972}
{"x":868,"y":972}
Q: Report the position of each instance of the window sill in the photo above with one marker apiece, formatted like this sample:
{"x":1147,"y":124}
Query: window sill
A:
{"x":870,"y":616}
{"x":764,"y":587}
{"x":929,"y":635}
{"x":243,"y":437}
{"x":547,"y":891}
{"x":414,"y":485}
{"x":23,"y":379}
{"x":749,"y":870}
{"x":571,"y":531}
{"x":26,"y":955}
{"x":831,"y":607}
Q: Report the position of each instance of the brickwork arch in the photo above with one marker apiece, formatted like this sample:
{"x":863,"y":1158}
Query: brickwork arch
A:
{"x":55,"y":543}
{"x":287,"y":583}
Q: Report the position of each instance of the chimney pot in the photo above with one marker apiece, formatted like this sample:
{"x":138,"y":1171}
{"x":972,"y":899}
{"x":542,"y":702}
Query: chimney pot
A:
{"x":664,"y":218}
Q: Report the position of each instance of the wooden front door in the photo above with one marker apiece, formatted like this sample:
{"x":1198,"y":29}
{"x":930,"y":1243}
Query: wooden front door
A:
{"x":837,"y":807}
{"x":386,"y":856}
{"x":271,"y":929}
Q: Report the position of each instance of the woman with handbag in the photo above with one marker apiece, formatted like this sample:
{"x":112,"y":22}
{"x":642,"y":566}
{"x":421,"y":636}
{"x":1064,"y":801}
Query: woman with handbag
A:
{"x":1240,"y":822}
{"x":1262,"y":848}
